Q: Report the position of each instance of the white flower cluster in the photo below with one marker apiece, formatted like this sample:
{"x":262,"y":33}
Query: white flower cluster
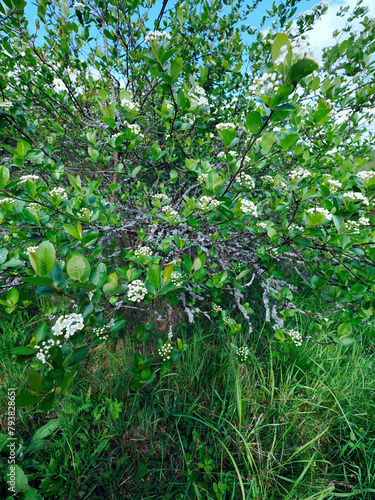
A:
{"x":225,"y":126}
{"x":352,"y":196}
{"x":157,"y":36}
{"x":99,"y":331}
{"x":301,"y":51}
{"x":159,"y":197}
{"x":145,"y":251}
{"x":5,"y":104}
{"x":366,"y":175}
{"x":202,"y":178}
{"x":59,"y":192}
{"x":299,"y":173}
{"x":243,"y":161}
{"x":233,"y":154}
{"x":356,"y":226}
{"x":262,"y":225}
{"x":79,"y":6}
{"x":266,"y":83}
{"x":296,"y":226}
{"x":222,"y":155}
{"x":197,"y":96}
{"x":165,"y":351}
{"x":320,"y":210}
{"x":334,"y":185}
{"x":169,"y":106}
{"x":43,"y":349}
{"x":249,"y":208}
{"x":229,"y":321}
{"x":25,"y":178}
{"x":31,"y":250}
{"x":216,"y":308}
{"x":129,"y":105}
{"x":136,"y":291}
{"x":6,"y":200}
{"x":35,"y":209}
{"x":171,"y":212}
{"x":243,"y":353}
{"x":246,"y":180}
{"x":71,"y":323}
{"x":295,"y":336}
{"x":135,"y":128}
{"x":208,"y":203}
{"x":177,"y":278}
{"x":310,"y":12}
{"x":85,"y":213}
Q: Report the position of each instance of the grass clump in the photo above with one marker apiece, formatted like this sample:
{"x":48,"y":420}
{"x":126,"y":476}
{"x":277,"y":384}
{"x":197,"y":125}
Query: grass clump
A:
{"x":276,"y":427}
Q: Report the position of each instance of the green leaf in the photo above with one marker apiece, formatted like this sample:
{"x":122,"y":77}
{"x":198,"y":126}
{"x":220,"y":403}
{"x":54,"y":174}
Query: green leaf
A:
{"x":20,"y":477}
{"x":47,"y":402}
{"x":65,"y":383}
{"x":154,"y":275}
{"x":4,"y":176}
{"x":23,"y":351}
{"x":99,"y":275}
{"x":45,"y":257}
{"x":23,"y":147}
{"x":76,"y":356}
{"x":111,"y":289}
{"x":253,"y":122}
{"x":34,"y":381}
{"x":344,"y":329}
{"x":301,"y":69}
{"x":46,"y":430}
{"x":25,"y":399}
{"x":285,"y":90}
{"x":57,"y":355}
{"x":94,"y":154}
{"x":3,"y":255}
{"x":78,"y":268}
{"x":289,"y":141}
{"x":281,"y":40}
{"x":13,"y":296}
{"x":173,"y":175}
{"x":71,"y":230}
{"x":64,"y":6}
{"x":267,"y":142}
{"x":227,"y":135}
{"x":176,"y":67}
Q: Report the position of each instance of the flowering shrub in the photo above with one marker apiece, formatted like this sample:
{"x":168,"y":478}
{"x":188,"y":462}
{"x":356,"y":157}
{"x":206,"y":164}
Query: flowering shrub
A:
{"x":177,"y":174}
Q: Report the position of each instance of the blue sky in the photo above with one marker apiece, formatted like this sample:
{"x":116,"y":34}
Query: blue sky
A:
{"x":254,"y":19}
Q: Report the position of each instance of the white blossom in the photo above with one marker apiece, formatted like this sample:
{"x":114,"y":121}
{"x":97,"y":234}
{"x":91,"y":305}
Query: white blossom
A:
{"x":225,"y":126}
{"x":299,"y":173}
{"x":243,"y":353}
{"x":136,"y":291}
{"x":59,"y":192}
{"x":166,"y":350}
{"x":353,"y":196}
{"x":25,"y":178}
{"x":366,"y":175}
{"x":208,"y":203}
{"x":197,"y":96}
{"x":157,"y":36}
{"x":85,"y":213}
{"x":295,"y":336}
{"x":356,"y":226}
{"x":320,"y":210}
{"x":145,"y":251}
{"x":248,"y":207}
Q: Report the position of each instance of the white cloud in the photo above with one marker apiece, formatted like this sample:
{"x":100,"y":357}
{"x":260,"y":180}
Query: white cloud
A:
{"x":321,"y":35}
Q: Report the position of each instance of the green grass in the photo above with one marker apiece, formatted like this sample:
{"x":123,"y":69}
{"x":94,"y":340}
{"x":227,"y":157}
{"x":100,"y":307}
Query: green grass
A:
{"x":277,"y":428}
